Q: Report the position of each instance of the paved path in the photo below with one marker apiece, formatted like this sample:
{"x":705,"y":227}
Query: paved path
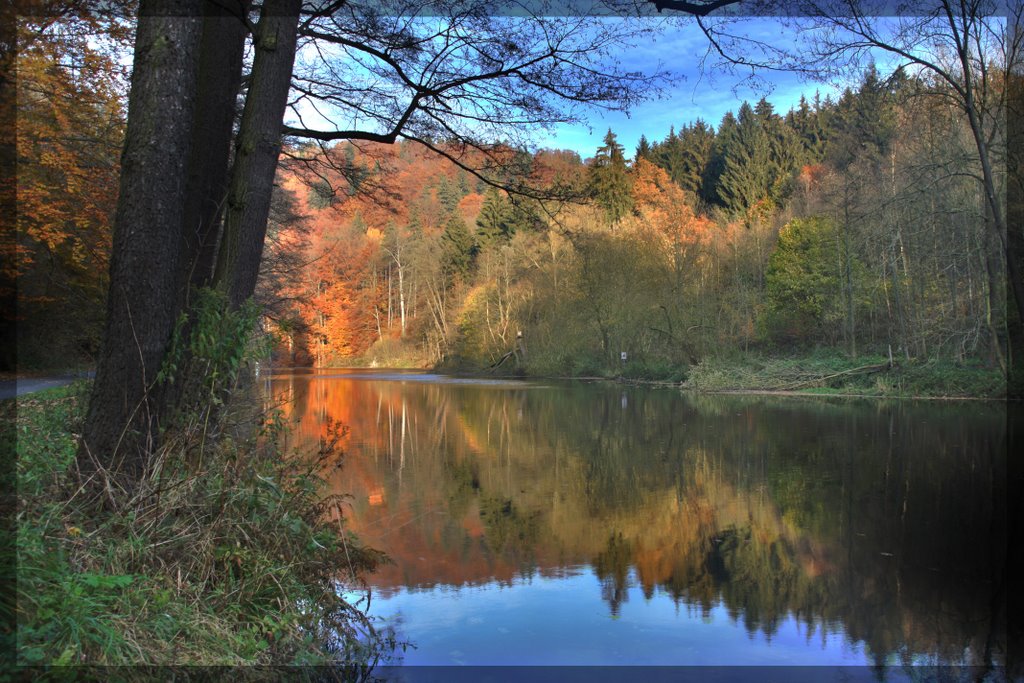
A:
{"x":12,"y":388}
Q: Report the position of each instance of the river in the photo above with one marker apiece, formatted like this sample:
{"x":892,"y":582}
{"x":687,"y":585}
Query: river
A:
{"x":571,"y":523}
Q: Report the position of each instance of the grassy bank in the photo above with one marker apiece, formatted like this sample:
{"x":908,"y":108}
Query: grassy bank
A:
{"x":224,"y":554}
{"x":827,"y":373}
{"x":823,"y":372}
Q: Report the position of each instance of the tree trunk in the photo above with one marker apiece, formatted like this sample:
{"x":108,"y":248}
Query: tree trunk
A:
{"x":974,"y":117}
{"x":256,"y":155}
{"x":401,"y":296}
{"x":850,"y":326}
{"x":220,"y":78}
{"x":121,"y":427}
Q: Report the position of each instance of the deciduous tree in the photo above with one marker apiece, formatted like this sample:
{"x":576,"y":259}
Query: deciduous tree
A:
{"x":454,"y":77}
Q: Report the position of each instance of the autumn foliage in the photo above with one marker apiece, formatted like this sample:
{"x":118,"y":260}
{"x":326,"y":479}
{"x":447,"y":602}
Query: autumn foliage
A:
{"x":394,"y":255}
{"x":70,"y":123}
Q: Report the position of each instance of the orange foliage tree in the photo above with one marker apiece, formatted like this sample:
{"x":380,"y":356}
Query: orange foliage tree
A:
{"x":70,"y":125}
{"x":664,"y":208}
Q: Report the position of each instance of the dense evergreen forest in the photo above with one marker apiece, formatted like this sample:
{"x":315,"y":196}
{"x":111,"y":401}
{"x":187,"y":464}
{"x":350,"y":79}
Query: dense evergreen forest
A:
{"x":852,"y":225}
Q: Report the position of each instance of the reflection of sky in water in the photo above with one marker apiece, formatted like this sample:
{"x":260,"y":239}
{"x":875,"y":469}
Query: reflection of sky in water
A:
{"x":564,"y":621}
{"x":776,"y":511}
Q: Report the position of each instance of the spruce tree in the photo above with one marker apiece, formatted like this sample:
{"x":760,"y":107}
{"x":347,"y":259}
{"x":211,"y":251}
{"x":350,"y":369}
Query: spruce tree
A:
{"x":609,"y":180}
{"x":447,"y":195}
{"x":695,"y":143}
{"x":864,"y":121}
{"x":724,"y":140}
{"x":495,"y":221}
{"x":643,"y":149}
{"x":807,"y":125}
{"x":458,"y":249}
{"x":746,"y":171}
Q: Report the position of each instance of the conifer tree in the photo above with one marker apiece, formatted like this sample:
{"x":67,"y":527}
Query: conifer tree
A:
{"x":695,"y":143}
{"x":746,"y":172}
{"x":864,"y":121}
{"x":495,"y":221}
{"x":724,"y":139}
{"x":668,"y":154}
{"x":808,"y":126}
{"x":447,"y":195}
{"x":644,"y":150}
{"x":609,"y":180}
{"x":458,"y":249}
{"x":463,"y":183}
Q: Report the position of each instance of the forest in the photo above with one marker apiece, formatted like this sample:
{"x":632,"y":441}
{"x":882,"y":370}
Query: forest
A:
{"x":200,"y":188}
{"x":854,"y":225}
{"x":851,"y":225}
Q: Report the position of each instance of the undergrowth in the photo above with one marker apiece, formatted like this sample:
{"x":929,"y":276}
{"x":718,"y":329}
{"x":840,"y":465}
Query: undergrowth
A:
{"x":226,"y":552}
{"x":818,"y":372}
{"x":834,"y":373}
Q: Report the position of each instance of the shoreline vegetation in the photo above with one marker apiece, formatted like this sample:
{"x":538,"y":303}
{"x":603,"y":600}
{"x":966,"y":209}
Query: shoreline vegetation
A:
{"x":226,"y":553}
{"x":217,"y":559}
{"x":828,"y":375}
{"x":817,"y":373}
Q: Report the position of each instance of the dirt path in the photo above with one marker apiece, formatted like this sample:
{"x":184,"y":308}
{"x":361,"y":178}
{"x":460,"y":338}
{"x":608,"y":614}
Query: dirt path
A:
{"x":27,"y":385}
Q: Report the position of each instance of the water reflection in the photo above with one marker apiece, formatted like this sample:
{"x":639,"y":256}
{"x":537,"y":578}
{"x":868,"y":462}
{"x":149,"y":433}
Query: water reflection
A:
{"x":884,"y":522}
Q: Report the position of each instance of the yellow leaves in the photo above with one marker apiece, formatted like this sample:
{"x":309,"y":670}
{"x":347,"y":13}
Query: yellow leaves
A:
{"x":69,"y":127}
{"x":16,"y":257}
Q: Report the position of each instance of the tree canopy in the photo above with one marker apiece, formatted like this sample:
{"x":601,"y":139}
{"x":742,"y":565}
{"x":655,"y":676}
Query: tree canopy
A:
{"x":444,"y":75}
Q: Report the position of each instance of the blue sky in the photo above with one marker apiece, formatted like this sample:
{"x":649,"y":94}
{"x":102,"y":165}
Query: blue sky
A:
{"x":695,"y":94}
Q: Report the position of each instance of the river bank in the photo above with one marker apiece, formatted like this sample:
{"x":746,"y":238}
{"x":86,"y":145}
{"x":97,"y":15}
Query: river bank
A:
{"x":222,"y":555}
{"x":812,"y":374}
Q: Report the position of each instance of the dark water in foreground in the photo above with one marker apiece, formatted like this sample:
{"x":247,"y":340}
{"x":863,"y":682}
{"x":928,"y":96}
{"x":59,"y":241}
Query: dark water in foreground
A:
{"x":592,"y":524}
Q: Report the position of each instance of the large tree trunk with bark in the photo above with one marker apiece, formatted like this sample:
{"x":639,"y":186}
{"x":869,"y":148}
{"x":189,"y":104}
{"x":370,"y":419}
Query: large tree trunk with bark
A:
{"x":220,"y":78}
{"x":121,"y":426}
{"x":174,"y":188}
{"x":257,"y":151}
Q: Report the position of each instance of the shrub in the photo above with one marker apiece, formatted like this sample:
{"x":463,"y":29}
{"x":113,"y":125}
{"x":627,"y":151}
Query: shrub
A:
{"x":226,"y":553}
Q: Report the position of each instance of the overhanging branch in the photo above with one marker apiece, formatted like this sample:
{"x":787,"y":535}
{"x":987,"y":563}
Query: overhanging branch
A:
{"x":331,"y":135}
{"x":697,"y":9}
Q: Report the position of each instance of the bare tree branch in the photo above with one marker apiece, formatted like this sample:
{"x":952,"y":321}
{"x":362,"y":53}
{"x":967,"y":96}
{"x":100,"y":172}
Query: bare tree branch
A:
{"x":697,"y":9}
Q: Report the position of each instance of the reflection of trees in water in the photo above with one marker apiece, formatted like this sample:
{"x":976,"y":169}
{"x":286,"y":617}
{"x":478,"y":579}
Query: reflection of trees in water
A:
{"x":461,"y":486}
{"x":510,"y":531}
{"x":612,"y":567}
{"x":885,"y":520}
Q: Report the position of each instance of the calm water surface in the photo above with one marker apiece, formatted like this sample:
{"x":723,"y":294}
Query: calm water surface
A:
{"x":572,"y":523}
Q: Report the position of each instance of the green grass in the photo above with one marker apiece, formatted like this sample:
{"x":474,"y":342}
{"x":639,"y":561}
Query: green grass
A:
{"x":821,"y":372}
{"x":828,"y":373}
{"x":224,"y":554}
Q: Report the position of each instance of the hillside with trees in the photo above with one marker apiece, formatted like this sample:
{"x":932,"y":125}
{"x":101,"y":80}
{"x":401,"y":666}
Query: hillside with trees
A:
{"x":346,"y":183}
{"x":854,"y":225}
